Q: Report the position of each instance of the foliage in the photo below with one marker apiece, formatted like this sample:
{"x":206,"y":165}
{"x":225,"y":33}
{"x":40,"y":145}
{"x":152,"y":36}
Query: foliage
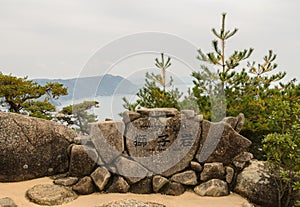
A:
{"x":152,"y":95}
{"x":39,"y":109}
{"x":283,"y":156}
{"x":249,"y":88}
{"x":77,"y":114}
{"x":283,"y":149}
{"x":21,"y":94}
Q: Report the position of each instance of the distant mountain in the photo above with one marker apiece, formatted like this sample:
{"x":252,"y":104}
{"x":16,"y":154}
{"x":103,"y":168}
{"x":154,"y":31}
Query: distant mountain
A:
{"x":106,"y":85}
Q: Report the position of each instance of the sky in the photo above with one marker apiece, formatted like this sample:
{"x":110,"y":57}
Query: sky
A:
{"x":60,"y":39}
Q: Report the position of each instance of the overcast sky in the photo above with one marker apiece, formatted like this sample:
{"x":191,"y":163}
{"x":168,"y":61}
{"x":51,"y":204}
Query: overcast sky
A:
{"x":56,"y":38}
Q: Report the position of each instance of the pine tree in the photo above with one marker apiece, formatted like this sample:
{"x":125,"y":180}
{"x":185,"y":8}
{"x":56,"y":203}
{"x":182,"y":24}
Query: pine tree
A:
{"x":153,"y":95}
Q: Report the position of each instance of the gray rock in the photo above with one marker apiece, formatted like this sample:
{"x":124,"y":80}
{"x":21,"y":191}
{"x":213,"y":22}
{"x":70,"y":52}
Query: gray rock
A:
{"x":67,"y":181}
{"x":132,"y":203}
{"x":129,"y":116}
{"x":119,"y":185}
{"x":163,"y":145}
{"x":186,"y":178}
{"x":131,"y":170}
{"x":107,"y":138}
{"x":188,"y":113}
{"x":142,"y":187}
{"x":159,"y":182}
{"x":220,"y":143}
{"x":85,"y":186}
{"x":212,"y":170}
{"x":83,"y":160}
{"x":214,"y":188}
{"x":199,"y":118}
{"x":256,"y":184}
{"x":242,"y":159}
{"x":235,"y":122}
{"x":157,"y":112}
{"x":196,"y":166}
{"x":84,"y":140}
{"x":7,"y":202}
{"x":32,"y":147}
{"x":173,"y":188}
{"x":229,"y":174}
{"x":101,"y":177}
{"x":50,"y":195}
{"x":240,"y":123}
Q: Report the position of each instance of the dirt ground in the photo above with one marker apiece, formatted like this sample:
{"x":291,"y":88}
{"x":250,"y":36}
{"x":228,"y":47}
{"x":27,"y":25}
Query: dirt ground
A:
{"x":17,"y":190}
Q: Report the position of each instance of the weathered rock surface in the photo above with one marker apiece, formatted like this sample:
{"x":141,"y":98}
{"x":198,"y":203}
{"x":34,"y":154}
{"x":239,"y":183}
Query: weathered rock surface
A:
{"x":129,"y":116}
{"x":119,"y":185}
{"x":173,"y":188}
{"x":186,"y":178}
{"x":158,"y":112}
{"x":158,"y":182}
{"x":229,"y":174}
{"x":242,"y":159}
{"x":85,"y":186}
{"x":214,"y":187}
{"x":220,"y":143}
{"x":235,"y":122}
{"x":50,"y":195}
{"x":164,"y":145}
{"x":32,"y":147}
{"x":188,"y":113}
{"x":255,"y":183}
{"x":133,"y":203}
{"x":7,"y":202}
{"x":67,"y":181}
{"x":131,"y":170}
{"x":101,"y":177}
{"x":142,"y":187}
{"x":83,"y":160}
{"x":107,"y":138}
{"x":212,"y":170}
{"x":197,"y":167}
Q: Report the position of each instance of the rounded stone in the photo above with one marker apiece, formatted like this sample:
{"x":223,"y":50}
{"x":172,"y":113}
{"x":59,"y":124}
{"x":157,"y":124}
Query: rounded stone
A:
{"x":50,"y":195}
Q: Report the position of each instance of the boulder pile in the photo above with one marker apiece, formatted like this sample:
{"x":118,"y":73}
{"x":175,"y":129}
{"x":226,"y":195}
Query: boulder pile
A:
{"x":159,"y":150}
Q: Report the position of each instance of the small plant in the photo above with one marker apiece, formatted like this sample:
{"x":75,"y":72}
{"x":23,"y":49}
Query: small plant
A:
{"x":153,"y":95}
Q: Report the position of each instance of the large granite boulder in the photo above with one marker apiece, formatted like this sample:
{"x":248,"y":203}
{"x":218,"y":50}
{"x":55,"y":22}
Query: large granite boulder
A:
{"x":256,"y":184}
{"x":163,"y":140}
{"x":32,"y":147}
{"x":220,"y":143}
{"x":107,"y":137}
{"x":50,"y":195}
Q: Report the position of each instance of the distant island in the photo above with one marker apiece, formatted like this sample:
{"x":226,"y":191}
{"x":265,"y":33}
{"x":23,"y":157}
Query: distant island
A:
{"x":84,"y":87}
